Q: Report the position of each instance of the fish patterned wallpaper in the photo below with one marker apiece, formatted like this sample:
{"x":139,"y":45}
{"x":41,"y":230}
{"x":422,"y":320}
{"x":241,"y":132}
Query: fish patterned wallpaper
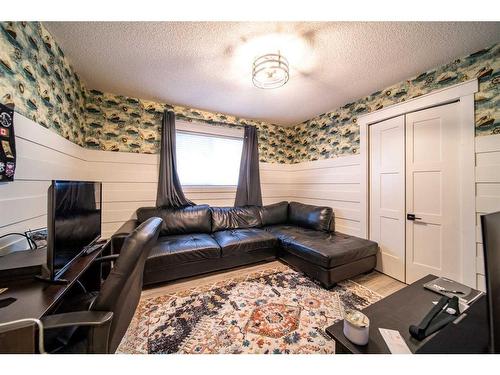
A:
{"x":120,"y":123}
{"x":336,"y":133}
{"x":38,"y":80}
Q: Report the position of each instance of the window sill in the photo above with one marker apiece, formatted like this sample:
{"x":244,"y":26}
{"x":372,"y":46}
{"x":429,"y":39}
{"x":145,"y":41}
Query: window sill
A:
{"x":211,"y":188}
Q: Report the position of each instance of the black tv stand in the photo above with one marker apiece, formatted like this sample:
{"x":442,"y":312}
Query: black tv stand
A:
{"x":49,"y":280}
{"x":34,"y":299}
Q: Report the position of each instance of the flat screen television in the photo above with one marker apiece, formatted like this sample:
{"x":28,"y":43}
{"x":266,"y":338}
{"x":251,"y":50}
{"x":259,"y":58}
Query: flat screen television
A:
{"x":73,"y":222}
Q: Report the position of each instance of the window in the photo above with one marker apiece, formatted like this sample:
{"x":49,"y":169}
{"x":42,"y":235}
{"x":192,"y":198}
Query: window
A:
{"x":208,"y":159}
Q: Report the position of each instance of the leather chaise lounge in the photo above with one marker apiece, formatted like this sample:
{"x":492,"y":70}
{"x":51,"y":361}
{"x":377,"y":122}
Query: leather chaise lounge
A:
{"x":200,"y":239}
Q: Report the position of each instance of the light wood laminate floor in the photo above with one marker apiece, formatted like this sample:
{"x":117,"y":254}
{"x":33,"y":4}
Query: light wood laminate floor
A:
{"x":376,"y":281}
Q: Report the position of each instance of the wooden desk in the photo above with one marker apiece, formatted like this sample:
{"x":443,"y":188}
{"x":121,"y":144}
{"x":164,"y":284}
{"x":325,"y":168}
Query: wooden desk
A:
{"x":35,"y":298}
{"x":409,"y":306}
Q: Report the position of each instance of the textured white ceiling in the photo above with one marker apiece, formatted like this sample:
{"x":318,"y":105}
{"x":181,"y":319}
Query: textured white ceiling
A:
{"x":204,"y":65}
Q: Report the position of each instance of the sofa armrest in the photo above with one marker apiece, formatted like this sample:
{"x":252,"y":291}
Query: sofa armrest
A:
{"x":118,"y":238}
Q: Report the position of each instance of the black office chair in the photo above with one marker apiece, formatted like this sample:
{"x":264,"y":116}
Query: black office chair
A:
{"x":490,"y":225}
{"x":101,"y":328}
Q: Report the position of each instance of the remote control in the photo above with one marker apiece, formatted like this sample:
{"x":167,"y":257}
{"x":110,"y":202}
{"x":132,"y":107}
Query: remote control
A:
{"x":91,"y":249}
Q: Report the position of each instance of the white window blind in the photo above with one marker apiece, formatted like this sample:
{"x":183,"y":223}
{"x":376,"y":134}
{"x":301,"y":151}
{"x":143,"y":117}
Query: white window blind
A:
{"x":208,"y":159}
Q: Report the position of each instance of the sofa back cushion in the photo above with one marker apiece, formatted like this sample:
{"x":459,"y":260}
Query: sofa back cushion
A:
{"x":308,"y":216}
{"x":184,"y":220}
{"x":235,"y":218}
{"x":274,"y":214}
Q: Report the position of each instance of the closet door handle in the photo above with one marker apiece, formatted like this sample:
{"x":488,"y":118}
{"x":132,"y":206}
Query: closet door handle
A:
{"x":412,"y":217}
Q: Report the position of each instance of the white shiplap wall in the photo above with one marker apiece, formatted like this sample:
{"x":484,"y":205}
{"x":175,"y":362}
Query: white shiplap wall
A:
{"x":331,"y":182}
{"x":487,"y":191}
{"x":129,"y":181}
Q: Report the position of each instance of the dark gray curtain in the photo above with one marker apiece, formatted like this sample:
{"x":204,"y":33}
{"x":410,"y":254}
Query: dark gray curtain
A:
{"x":248,"y":192}
{"x":169,"y":187}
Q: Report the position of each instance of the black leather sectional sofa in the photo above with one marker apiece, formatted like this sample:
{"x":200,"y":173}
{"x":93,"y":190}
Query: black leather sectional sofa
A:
{"x":200,"y":239}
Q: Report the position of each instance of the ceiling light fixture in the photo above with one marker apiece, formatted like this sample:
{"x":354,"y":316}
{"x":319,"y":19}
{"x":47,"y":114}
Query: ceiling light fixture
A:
{"x":270,"y":71}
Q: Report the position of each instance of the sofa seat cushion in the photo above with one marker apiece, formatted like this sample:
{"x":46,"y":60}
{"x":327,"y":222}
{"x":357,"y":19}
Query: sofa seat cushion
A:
{"x":321,"y":248}
{"x":280,"y":231}
{"x":182,"y":248}
{"x":236,"y":241}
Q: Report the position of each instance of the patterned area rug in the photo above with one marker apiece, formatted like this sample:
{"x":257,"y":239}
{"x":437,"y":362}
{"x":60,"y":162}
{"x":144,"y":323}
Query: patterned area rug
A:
{"x":277,"y":310}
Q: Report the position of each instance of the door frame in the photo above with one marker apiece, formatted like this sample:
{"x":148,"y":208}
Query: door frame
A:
{"x":463,"y":93}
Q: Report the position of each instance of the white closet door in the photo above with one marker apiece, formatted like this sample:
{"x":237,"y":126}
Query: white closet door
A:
{"x":432,"y":193}
{"x":387,"y":194}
